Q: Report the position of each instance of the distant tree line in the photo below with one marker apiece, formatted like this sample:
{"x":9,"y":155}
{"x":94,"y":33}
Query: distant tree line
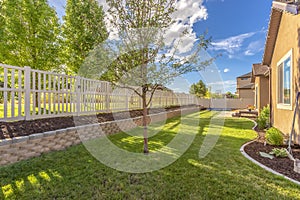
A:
{"x":200,"y":90}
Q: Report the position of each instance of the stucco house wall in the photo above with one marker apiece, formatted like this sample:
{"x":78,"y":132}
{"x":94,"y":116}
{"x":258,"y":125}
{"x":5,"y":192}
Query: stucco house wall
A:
{"x":261,"y":92}
{"x":241,"y":82}
{"x":288,"y":40}
{"x":246,"y":93}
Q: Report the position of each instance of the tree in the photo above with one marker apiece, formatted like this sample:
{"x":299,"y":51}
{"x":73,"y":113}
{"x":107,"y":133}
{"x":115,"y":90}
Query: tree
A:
{"x":140,"y":59}
{"x":83,"y":29}
{"x":229,"y":95}
{"x":199,"y":89}
{"x":29,"y":32}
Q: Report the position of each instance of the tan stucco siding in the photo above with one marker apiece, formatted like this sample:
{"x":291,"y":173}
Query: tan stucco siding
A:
{"x":241,"y":82}
{"x":288,"y":38}
{"x":263,"y":91}
{"x":246,"y":93}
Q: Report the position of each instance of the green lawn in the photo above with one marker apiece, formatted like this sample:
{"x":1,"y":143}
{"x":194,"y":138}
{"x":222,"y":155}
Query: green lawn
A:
{"x":223,"y":174}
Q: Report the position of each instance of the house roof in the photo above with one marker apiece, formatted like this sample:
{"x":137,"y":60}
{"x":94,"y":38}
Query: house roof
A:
{"x":278,"y":7}
{"x":259,"y":70}
{"x":249,"y":86}
{"x":246,"y":75}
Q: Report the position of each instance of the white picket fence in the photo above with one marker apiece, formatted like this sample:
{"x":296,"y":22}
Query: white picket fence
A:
{"x":31,"y":94}
{"x":27,"y":94}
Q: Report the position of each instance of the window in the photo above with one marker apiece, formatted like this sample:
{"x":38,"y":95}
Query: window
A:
{"x":244,"y":79}
{"x":284,"y":81}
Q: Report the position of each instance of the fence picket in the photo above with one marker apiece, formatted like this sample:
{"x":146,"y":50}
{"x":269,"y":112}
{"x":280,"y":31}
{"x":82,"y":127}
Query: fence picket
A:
{"x":5,"y":93}
{"x":39,"y":93}
{"x":12,"y":98}
{"x":20,"y":93}
{"x":27,"y":93}
{"x":60,"y":95}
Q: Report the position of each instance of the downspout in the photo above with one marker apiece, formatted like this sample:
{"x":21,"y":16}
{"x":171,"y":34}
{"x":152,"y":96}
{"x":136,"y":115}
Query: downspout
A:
{"x":270,"y":96}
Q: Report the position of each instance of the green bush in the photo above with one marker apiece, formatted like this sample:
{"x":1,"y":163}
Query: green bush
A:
{"x":263,"y":119}
{"x":274,"y":136}
{"x":279,"y":152}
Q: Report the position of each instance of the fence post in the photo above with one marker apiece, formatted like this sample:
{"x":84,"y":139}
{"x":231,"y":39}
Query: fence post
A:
{"x":107,"y":99}
{"x":77,"y":89}
{"x":126,"y":99}
{"x":27,"y":92}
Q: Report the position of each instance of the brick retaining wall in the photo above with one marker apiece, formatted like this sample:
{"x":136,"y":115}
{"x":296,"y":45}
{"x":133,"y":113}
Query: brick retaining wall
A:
{"x":22,"y":148}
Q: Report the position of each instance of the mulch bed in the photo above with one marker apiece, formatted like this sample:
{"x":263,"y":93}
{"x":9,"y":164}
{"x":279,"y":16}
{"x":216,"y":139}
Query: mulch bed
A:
{"x":282,"y":165}
{"x":25,"y":128}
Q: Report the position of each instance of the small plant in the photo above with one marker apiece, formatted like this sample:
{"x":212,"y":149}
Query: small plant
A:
{"x":250,"y":107}
{"x":274,"y":136}
{"x":263,"y":119}
{"x":279,"y":152}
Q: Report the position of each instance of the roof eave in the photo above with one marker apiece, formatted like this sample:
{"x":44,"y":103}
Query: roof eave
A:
{"x":274,"y":23}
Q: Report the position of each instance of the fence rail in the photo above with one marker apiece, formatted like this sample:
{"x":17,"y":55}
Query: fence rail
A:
{"x":27,"y":94}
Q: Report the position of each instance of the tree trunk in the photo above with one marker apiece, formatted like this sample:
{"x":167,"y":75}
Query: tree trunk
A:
{"x":145,"y":113}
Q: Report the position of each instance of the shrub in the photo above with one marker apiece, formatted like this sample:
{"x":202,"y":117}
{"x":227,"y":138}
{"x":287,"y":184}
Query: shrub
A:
{"x":274,"y":136}
{"x":263,"y":119}
{"x":279,"y":152}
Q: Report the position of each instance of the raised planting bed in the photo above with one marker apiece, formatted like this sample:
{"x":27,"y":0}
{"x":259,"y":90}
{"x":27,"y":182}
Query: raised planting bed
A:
{"x":31,"y":144}
{"x":282,"y":165}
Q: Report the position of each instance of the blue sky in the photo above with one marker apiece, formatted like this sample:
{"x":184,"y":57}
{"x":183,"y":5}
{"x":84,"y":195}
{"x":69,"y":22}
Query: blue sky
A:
{"x":238,"y":30}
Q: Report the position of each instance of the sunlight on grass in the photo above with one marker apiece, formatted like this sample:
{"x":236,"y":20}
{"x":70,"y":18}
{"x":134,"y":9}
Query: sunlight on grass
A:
{"x":55,"y":174}
{"x":34,"y":181}
{"x":198,"y":164}
{"x":283,"y":191}
{"x":20,"y":184}
{"x":7,"y":191}
{"x":223,"y":174}
{"x":44,"y":176}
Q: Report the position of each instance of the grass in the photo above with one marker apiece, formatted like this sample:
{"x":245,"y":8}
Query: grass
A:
{"x":223,"y":174}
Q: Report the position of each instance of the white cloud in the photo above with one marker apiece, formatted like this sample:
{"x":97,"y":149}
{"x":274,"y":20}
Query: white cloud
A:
{"x":187,"y":13}
{"x":254,"y":48}
{"x":231,"y":44}
{"x":226,"y":70}
{"x":249,"y":53}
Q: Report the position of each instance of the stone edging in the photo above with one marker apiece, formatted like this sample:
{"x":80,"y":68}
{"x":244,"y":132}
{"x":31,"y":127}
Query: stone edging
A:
{"x":25,"y":147}
{"x":261,"y":165}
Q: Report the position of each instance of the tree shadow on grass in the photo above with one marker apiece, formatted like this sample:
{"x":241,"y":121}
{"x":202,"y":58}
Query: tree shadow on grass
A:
{"x":223,"y":173}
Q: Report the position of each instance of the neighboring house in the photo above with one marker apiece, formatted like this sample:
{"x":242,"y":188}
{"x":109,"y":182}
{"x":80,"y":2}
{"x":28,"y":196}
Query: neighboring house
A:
{"x":282,"y":55}
{"x":244,"y":87}
{"x":260,"y":78}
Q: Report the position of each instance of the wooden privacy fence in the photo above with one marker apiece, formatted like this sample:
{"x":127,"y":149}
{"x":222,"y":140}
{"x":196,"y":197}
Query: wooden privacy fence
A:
{"x":27,"y":94}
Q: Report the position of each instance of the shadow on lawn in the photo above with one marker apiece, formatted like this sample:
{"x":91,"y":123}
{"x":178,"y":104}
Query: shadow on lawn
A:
{"x":224,"y":173}
{"x":75,"y":174}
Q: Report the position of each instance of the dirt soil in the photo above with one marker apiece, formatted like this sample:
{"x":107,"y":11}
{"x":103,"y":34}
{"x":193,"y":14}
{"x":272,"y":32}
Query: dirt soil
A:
{"x":24,"y":128}
{"x":282,"y":165}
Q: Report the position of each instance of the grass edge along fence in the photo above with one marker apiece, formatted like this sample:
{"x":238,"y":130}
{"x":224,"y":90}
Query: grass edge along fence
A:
{"x":32,"y":94}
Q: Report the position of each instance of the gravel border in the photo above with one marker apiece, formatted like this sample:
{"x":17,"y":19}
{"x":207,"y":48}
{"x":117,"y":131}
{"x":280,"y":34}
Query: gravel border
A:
{"x":261,"y":165}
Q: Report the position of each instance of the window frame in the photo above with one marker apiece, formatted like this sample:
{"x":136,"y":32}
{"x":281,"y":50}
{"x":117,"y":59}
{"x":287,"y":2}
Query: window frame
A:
{"x":283,"y":105}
